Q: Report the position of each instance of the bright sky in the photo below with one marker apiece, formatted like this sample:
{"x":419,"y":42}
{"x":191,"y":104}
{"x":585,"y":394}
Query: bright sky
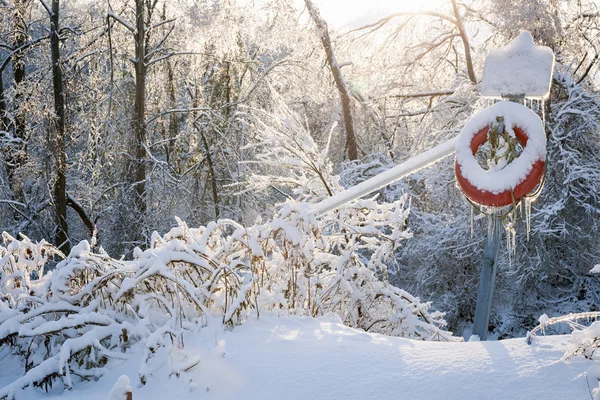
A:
{"x":354,"y":13}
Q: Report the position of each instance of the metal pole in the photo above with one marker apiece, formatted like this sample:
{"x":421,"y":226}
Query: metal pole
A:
{"x":408,"y":167}
{"x":487,"y":278}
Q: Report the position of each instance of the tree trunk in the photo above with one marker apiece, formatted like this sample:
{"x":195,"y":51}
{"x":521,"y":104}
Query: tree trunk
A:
{"x":139,"y":126}
{"x":3,"y":112}
{"x":465,"y":40}
{"x":17,"y":156}
{"x":60,"y":185}
{"x":211,"y":170}
{"x":20,"y":38}
{"x":351,"y":146}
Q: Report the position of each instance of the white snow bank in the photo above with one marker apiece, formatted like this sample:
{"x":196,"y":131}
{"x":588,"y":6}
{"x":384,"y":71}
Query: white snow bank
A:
{"x":519,"y":69}
{"x":515,"y":115}
{"x":304,"y":358}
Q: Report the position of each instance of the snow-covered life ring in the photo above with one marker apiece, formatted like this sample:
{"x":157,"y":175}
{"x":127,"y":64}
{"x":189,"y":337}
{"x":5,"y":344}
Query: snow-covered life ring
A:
{"x":504,"y":186}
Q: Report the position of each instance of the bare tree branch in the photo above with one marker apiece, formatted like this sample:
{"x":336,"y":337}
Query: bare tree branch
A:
{"x":127,"y":25}
{"x":158,"y":46}
{"x":20,"y":49}
{"x":456,"y":21}
{"x":169,"y":55}
{"x":387,"y":19}
{"x":174,"y":111}
{"x":433,"y":93}
{"x":78,"y":208}
{"x":592,"y":63}
{"x":47,"y":7}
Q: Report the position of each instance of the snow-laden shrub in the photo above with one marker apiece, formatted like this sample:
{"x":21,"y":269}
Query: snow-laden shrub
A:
{"x":586,"y":341}
{"x":71,"y":321}
{"x":288,"y":160}
{"x":20,"y":261}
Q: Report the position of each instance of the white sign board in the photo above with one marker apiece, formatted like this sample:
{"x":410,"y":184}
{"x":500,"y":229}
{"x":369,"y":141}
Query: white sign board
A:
{"x":519,"y":69}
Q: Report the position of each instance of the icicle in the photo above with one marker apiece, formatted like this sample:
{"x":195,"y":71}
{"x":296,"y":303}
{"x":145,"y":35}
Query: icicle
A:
{"x":521,"y":208}
{"x":471,"y":221}
{"x":544,"y":113}
{"x":527,"y":215}
{"x":511,"y":242}
{"x":508,"y":249}
{"x":514,"y":241}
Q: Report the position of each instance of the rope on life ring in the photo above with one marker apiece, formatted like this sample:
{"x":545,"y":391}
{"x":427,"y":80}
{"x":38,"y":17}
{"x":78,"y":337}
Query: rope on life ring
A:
{"x":480,"y":187}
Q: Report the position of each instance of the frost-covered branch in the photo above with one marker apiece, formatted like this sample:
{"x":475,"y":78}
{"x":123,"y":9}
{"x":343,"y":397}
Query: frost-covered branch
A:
{"x":120,"y":20}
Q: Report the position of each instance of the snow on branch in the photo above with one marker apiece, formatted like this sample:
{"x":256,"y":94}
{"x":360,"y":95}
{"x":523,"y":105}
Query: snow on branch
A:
{"x":432,"y":93}
{"x":120,"y":20}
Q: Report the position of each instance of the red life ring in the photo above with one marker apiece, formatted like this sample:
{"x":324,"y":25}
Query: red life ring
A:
{"x":505,"y":197}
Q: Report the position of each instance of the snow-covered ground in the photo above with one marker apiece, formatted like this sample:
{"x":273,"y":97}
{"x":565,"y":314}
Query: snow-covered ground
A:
{"x":310,"y":359}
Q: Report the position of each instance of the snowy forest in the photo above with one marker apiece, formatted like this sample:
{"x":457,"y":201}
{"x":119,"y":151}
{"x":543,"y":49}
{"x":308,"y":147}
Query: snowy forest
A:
{"x":161,"y":160}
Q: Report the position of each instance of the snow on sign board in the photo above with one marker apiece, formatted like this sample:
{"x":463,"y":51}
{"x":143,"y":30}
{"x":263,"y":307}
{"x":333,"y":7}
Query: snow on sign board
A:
{"x":519,"y":69}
